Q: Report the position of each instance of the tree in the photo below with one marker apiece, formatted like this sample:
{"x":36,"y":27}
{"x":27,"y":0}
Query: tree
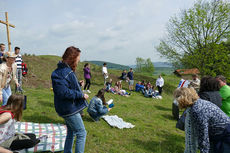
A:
{"x":143,"y":65}
{"x":139,"y":64}
{"x":196,"y":33}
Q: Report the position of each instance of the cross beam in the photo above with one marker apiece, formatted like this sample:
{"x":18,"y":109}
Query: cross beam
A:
{"x":7,"y":29}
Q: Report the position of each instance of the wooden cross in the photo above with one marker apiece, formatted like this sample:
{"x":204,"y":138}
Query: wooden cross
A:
{"x":7,"y":29}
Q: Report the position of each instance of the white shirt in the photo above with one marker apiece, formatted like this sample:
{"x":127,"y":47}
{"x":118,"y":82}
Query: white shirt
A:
{"x":104,"y":70}
{"x":160,"y":82}
{"x":7,"y":130}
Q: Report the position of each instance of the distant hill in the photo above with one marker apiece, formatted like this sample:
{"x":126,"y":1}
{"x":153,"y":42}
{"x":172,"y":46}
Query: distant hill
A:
{"x":110,"y":65}
{"x":157,"y":64}
{"x":162,"y":64}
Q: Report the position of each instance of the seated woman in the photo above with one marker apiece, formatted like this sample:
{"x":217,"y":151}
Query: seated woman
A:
{"x":108,"y":85}
{"x":148,"y":92}
{"x":209,"y":90}
{"x":97,"y":106}
{"x":207,"y":127}
{"x":123,"y":75}
{"x":139,"y":87}
{"x":9,"y":114}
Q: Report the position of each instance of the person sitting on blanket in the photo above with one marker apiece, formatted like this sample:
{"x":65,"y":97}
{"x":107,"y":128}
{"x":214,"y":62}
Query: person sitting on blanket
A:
{"x":9,"y":114}
{"x":97,"y":106}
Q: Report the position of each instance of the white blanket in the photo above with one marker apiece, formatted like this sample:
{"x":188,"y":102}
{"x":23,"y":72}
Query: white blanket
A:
{"x":115,"y":121}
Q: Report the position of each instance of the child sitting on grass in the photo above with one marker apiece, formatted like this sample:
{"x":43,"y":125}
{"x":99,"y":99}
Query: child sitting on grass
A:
{"x":97,"y":106}
{"x":9,"y":114}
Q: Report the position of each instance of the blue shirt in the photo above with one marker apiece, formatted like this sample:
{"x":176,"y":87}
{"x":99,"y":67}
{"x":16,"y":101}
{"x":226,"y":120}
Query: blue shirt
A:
{"x":1,"y":55}
{"x":130,"y":75}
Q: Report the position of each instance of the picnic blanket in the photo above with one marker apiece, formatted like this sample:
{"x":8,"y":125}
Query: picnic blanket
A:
{"x":115,"y":121}
{"x":53,"y":135}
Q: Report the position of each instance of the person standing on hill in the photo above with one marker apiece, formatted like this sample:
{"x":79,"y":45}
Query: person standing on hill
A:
{"x":225,"y":94}
{"x":195,"y":82}
{"x":7,"y":73}
{"x":2,"y":50}
{"x":130,"y":77}
{"x":105,"y":72}
{"x":18,"y":61}
{"x":160,"y":84}
{"x":87,"y":76}
{"x":69,"y":99}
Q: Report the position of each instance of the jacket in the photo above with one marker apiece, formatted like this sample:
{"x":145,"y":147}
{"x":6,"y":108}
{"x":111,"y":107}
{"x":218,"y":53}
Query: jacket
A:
{"x":96,"y":107}
{"x":212,"y":96}
{"x":68,"y":96}
{"x":3,"y":75}
{"x":87,"y":74}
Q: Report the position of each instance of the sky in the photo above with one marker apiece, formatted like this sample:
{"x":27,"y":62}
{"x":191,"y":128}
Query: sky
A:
{"x":115,"y":31}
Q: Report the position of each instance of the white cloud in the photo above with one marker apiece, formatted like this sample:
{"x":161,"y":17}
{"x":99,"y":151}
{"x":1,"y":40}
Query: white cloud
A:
{"x":116,"y":31}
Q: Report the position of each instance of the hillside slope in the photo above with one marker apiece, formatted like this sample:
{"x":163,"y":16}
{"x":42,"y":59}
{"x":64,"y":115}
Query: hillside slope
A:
{"x":41,"y":67}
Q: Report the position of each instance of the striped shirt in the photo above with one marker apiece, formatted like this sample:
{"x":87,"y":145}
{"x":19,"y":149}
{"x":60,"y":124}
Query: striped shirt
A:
{"x":18,"y":61}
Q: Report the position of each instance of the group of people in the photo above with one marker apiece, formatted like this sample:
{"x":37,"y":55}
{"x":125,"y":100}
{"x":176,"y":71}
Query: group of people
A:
{"x":148,"y":90}
{"x":12,"y":104}
{"x":10,"y":69}
{"x":207,"y":122}
{"x":206,"y":118}
{"x":117,"y":89}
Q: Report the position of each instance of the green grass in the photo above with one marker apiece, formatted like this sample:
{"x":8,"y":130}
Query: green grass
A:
{"x":154,"y":130}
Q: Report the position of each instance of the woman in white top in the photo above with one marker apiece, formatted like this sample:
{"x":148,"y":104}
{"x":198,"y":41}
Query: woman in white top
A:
{"x":160,"y":84}
{"x":7,"y":74}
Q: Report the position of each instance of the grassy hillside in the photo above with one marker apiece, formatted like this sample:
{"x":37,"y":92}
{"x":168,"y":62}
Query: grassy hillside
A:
{"x":154,"y":130}
{"x":110,"y":65}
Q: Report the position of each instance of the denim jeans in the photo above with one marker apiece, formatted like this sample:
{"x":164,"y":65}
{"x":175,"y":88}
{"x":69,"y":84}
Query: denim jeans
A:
{"x":75,"y":127}
{"x":19,"y":77}
{"x":6,"y":93}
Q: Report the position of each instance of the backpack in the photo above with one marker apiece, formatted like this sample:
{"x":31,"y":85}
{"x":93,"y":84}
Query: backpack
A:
{"x":24,"y":69}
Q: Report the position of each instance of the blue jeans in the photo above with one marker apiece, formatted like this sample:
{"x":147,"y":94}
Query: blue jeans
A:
{"x":75,"y":127}
{"x":19,"y":77}
{"x":6,"y":93}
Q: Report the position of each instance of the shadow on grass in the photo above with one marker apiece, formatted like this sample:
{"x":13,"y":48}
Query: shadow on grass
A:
{"x":46,"y":103}
{"x":87,"y":118}
{"x":162,"y":108}
{"x":170,"y":117}
{"x":171,"y":143}
{"x":37,"y":118}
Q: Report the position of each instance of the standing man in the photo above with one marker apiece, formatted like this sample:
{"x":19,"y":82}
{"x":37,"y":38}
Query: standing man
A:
{"x":160,"y":84}
{"x":130,"y":77}
{"x":195,"y":82}
{"x":18,"y":62}
{"x":105,"y":73}
{"x":225,"y":94}
{"x":2,"y":49}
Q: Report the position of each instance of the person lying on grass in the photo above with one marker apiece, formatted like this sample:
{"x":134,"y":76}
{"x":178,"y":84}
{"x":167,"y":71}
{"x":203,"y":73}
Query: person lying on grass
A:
{"x":97,"y":106}
{"x":9,"y":114}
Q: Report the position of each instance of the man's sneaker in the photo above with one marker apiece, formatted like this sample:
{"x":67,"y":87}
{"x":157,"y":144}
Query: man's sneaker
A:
{"x":88,"y":91}
{"x":84,"y":91}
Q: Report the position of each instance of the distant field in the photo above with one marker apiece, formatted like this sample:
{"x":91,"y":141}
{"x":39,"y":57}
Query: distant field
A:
{"x":165,"y":70}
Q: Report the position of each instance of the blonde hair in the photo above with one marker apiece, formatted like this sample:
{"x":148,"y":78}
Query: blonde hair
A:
{"x":186,"y":97}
